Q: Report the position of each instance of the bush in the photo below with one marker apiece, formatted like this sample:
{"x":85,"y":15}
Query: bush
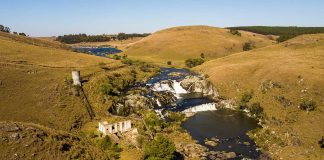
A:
{"x":202,"y":55}
{"x":235,"y":32}
{"x":246,"y":97}
{"x":247,"y":46}
{"x":169,"y":63}
{"x":160,"y":148}
{"x":112,"y":148}
{"x":176,"y":116}
{"x":153,"y":122}
{"x":194,"y":62}
{"x":309,"y":105}
{"x":256,"y":110}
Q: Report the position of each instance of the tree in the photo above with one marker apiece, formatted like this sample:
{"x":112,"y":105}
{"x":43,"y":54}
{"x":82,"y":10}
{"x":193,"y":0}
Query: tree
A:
{"x":160,"y":148}
{"x":7,"y":29}
{"x":247,"y":46}
{"x":121,"y":36}
{"x":194,"y":62}
{"x":22,"y":34}
{"x":14,"y":32}
{"x":169,"y":63}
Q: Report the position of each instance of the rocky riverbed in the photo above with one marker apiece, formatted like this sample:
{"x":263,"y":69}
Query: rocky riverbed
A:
{"x":219,"y":130}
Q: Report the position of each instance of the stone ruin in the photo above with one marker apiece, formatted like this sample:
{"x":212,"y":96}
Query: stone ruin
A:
{"x":76,"y":78}
{"x":113,"y":128}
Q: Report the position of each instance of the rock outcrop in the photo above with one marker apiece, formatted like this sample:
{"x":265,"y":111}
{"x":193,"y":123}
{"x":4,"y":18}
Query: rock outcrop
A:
{"x":130,"y":104}
{"x":199,"y":84}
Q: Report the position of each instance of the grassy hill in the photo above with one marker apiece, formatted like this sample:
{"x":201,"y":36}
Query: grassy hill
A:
{"x":180,"y":43}
{"x":285,"y":33}
{"x":34,"y":82}
{"x":281,"y":76}
{"x":42,"y":116}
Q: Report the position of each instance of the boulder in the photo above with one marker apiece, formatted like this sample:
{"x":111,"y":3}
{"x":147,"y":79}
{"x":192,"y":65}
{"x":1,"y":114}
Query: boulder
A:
{"x":199,"y":84}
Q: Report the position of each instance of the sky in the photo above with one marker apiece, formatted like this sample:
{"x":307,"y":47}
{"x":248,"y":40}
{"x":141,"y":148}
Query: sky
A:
{"x":58,"y":17}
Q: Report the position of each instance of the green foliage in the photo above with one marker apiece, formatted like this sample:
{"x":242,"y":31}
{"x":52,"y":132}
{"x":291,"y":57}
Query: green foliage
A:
{"x":246,"y":97}
{"x":154,"y":123}
{"x":308,"y":105}
{"x":256,"y":110}
{"x":160,"y":148}
{"x":194,"y":62}
{"x":176,"y":116}
{"x":285,"y":33}
{"x":169,"y":63}
{"x":247,"y":46}
{"x":77,"y":38}
{"x":116,"y":84}
{"x":235,"y":32}
{"x":112,"y":148}
{"x":124,"y":36}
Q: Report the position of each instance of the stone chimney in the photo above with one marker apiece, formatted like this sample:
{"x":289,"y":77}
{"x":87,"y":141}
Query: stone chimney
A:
{"x":76,"y":78}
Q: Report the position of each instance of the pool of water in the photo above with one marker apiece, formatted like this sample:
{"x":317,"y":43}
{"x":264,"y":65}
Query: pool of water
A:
{"x":98,"y":51}
{"x":229,"y":126}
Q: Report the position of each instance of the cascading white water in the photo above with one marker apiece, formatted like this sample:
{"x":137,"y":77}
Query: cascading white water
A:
{"x":158,"y":103}
{"x":201,"y":108}
{"x":175,"y":88}
{"x":178,"y":89}
{"x":161,"y":87}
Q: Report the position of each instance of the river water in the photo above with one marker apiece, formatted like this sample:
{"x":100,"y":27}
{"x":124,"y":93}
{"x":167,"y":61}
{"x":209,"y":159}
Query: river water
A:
{"x":227,"y":127}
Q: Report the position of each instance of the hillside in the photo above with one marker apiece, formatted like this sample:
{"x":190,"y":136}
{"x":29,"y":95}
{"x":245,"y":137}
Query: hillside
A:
{"x":180,"y":43}
{"x":35,"y":82}
{"x":30,"y":141}
{"x":284,"y":33}
{"x":281,"y":77}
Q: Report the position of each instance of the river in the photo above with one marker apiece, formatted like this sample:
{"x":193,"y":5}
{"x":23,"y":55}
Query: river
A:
{"x":226,"y":127}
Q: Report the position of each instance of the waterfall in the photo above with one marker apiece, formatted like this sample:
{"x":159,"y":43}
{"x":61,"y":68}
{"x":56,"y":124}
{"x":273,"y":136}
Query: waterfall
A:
{"x":201,"y":108}
{"x":161,"y":87}
{"x":178,"y":88}
{"x":158,"y":103}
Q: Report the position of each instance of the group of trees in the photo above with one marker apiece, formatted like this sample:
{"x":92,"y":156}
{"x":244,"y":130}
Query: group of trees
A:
{"x":124,"y":36}
{"x":7,"y":30}
{"x":4,"y":29}
{"x":77,"y":38}
{"x":284,"y":33}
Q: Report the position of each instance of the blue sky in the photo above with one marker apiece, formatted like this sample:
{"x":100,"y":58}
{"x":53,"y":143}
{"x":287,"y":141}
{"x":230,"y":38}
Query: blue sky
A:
{"x":57,"y":17}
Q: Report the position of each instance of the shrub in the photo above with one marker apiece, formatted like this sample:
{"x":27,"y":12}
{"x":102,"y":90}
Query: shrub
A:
{"x":246,"y":97}
{"x":117,"y":57}
{"x":321,"y":142}
{"x":194,"y":62}
{"x":202,"y":55}
{"x":110,"y":147}
{"x":175,"y":116}
{"x":169,"y":63}
{"x":247,"y":46}
{"x":235,"y":32}
{"x":308,"y":105}
{"x":153,"y":122}
{"x":160,"y":148}
{"x":256,"y":110}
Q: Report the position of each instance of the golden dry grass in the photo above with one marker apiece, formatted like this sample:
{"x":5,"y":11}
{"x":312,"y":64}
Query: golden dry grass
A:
{"x":298,"y":65}
{"x":180,"y":43}
{"x":34,"y":85}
